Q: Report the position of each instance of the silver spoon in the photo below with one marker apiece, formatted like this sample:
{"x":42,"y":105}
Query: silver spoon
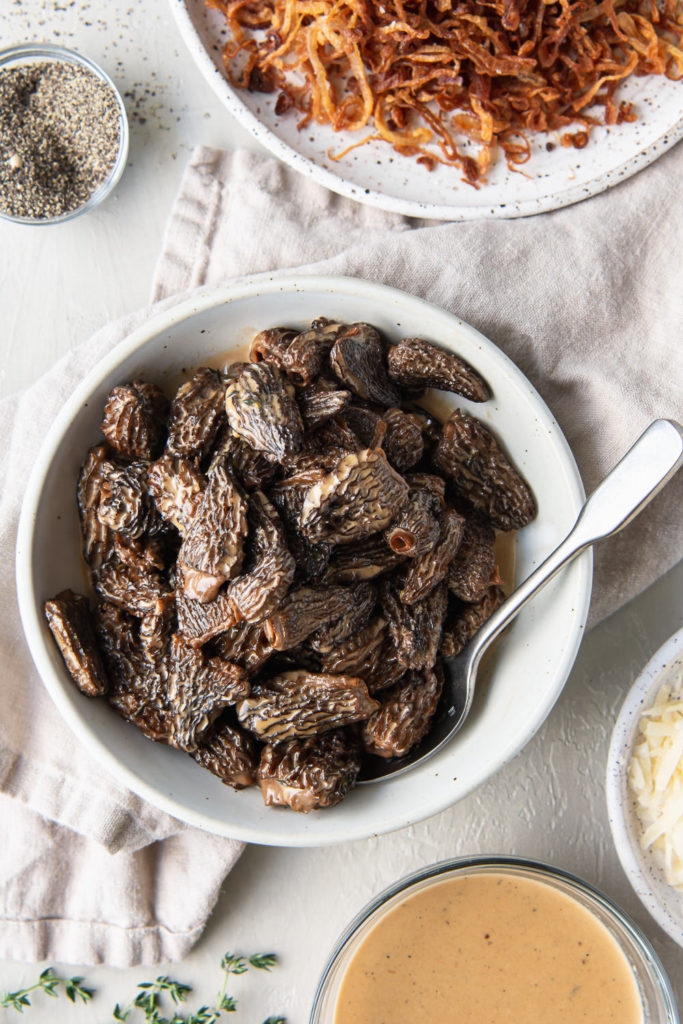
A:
{"x":632,"y":484}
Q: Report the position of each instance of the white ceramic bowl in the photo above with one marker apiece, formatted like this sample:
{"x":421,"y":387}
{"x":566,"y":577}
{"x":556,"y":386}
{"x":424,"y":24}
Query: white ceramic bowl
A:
{"x":527,"y":670}
{"x":642,"y":867}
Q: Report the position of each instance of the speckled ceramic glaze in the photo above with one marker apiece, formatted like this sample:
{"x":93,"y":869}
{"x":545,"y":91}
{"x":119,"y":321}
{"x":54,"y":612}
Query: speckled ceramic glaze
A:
{"x":375,"y":174}
{"x":642,"y":867}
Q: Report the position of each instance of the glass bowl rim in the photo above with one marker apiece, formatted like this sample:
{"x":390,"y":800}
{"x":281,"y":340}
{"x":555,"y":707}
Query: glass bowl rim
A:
{"x":524,"y":865}
{"x":30,"y":52}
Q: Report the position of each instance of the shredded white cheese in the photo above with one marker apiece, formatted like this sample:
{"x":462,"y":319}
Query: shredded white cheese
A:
{"x":655,"y":776}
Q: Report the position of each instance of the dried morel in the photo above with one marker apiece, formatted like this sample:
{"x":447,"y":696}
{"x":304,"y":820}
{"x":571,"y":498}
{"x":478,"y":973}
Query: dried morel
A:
{"x":176,"y":487}
{"x":321,"y":401}
{"x":357,"y":358}
{"x":270,"y":346}
{"x":261,"y":590}
{"x":309,"y":774}
{"x":470,"y":573}
{"x":301,"y":703}
{"x":358,"y":498}
{"x":404,"y":716}
{"x":364,"y":561}
{"x":249,"y":468}
{"x":415,"y":363}
{"x":464,"y":620}
{"x":231,"y":754}
{"x":304,"y":611}
{"x":261,"y":409}
{"x":138,"y":689}
{"x":307,"y":352}
{"x":415,"y":530}
{"x":141,"y":591}
{"x":70,"y":622}
{"x":197,"y":412}
{"x":403,"y":443}
{"x":470,"y":455}
{"x":339,"y":627}
{"x":427,"y":570}
{"x":98,"y":539}
{"x":245,"y":644}
{"x":416,"y":628}
{"x":199,"y":689}
{"x":198,"y":622}
{"x":369,"y":654}
{"x":135,"y":419}
{"x":124,"y":504}
{"x":213,"y":548}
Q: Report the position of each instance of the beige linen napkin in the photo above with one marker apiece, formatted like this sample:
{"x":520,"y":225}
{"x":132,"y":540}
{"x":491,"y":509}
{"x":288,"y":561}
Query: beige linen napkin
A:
{"x":587,"y":301}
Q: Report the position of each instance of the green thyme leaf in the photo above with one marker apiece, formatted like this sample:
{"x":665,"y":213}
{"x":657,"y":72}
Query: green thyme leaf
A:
{"x":263,"y":961}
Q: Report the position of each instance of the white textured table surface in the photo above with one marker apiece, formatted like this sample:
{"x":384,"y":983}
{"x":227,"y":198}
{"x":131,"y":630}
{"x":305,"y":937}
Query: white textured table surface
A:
{"x":58,"y":285}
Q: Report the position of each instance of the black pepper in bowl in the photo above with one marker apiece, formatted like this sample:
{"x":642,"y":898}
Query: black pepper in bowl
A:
{"x":60,"y":137}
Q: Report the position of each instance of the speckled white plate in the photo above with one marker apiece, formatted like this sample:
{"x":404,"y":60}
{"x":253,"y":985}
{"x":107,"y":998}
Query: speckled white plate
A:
{"x":375,"y":174}
{"x":642,"y":867}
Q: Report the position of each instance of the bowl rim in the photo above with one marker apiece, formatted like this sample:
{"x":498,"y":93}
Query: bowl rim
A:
{"x":28,"y":52}
{"x":639,"y":697}
{"x":337,"y":182}
{"x":506,"y":862}
{"x":31,"y":616}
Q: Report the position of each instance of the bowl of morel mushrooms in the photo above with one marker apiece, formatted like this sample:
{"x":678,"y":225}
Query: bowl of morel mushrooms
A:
{"x":257,"y":529}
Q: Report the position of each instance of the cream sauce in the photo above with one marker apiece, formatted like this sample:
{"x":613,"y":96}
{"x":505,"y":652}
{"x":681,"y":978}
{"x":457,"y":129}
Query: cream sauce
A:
{"x":487,"y":949}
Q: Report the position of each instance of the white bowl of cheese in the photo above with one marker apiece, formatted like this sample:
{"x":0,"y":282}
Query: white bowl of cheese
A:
{"x":645,"y":786}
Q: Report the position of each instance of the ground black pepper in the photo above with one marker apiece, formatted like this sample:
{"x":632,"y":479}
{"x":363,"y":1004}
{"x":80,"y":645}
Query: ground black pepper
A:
{"x":60,"y":128}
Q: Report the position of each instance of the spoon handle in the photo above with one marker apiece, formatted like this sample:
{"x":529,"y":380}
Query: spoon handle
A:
{"x":634,"y":481}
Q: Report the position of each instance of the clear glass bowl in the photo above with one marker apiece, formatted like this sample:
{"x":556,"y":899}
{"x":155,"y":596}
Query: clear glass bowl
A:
{"x":657,"y":998}
{"x":32,"y":53}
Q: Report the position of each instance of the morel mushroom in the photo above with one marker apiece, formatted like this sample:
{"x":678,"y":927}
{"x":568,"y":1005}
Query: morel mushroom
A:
{"x":357,"y":358}
{"x":415,"y":363}
{"x":197,"y":412}
{"x":270,"y":346}
{"x":213,"y":548}
{"x":309,"y":774}
{"x":415,"y":629}
{"x":231,"y":754}
{"x":176,"y":487}
{"x":70,"y":622}
{"x":199,"y":689}
{"x":469,"y":574}
{"x":358,"y":498}
{"x":261,"y":409}
{"x":307,"y":352}
{"x":405,"y":715}
{"x":471,"y":456}
{"x":135,"y":419}
{"x":464,"y":620}
{"x":301,"y":703}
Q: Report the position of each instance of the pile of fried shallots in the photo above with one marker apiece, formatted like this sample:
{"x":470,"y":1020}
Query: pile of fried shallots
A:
{"x":282,"y":556}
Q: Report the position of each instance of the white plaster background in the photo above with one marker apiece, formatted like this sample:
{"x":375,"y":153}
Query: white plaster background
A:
{"x":57,"y":286}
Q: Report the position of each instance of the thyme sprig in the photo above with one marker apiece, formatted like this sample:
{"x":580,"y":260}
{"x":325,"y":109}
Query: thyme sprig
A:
{"x":151,"y":994}
{"x":49,"y":983}
{"x":149,"y":998}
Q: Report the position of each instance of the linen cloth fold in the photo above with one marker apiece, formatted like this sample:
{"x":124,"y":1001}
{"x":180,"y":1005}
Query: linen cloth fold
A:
{"x":587,"y":301}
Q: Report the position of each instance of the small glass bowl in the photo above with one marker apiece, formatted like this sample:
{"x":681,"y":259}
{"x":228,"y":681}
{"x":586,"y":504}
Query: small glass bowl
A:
{"x":31,"y":53}
{"x":657,"y":998}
